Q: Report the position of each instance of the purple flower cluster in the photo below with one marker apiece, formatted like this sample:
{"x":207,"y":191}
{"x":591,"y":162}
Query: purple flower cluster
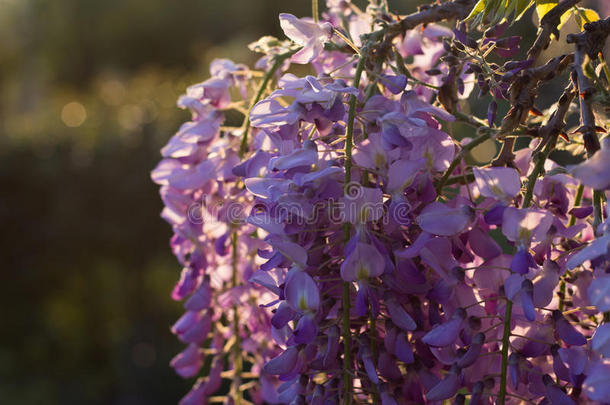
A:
{"x":341,"y":255}
{"x":205,"y":203}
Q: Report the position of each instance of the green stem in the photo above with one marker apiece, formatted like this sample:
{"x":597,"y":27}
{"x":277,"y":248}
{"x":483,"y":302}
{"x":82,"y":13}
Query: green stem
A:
{"x":373,"y":346}
{"x":279,"y":59}
{"x":474,"y":143}
{"x":237,"y":357}
{"x":463,"y":179}
{"x":314,"y":11}
{"x":577,"y":201}
{"x":349,"y":144}
{"x":505,"y":342}
{"x":347,"y":347}
{"x":349,"y":137}
{"x":598,"y":197}
{"x":469,"y":119}
{"x":348,"y":41}
{"x":373,"y":328}
{"x":562,"y":294}
{"x":538,"y":169}
{"x":527,"y":201}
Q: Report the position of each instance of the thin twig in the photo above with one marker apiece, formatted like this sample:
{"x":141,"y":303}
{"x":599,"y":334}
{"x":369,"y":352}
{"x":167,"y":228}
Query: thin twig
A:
{"x":456,"y":161}
{"x":279,"y":60}
{"x":505,"y":343}
{"x":433,"y":13}
{"x":523,"y":93}
{"x":549,"y":132}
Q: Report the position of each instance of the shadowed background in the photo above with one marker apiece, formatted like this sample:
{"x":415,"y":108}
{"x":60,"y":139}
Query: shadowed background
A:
{"x":87,"y":98}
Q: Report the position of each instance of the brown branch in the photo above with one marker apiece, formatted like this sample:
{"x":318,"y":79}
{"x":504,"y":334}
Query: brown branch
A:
{"x":427,"y":14}
{"x":445,"y":11}
{"x":523,"y":93}
{"x":552,"y":67}
{"x":587,"y":119}
{"x":549,"y":132}
{"x":588,"y":43}
{"x":548,"y":26}
{"x":593,"y":37}
{"x":556,"y":123}
{"x":506,"y":156}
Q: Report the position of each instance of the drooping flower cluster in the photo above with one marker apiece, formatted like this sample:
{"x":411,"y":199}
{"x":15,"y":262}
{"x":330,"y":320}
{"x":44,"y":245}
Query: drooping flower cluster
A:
{"x":206,"y":204}
{"x":341,"y":247}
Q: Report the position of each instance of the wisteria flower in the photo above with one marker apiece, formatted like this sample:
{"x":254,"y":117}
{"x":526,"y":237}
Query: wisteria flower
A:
{"x":309,"y":35}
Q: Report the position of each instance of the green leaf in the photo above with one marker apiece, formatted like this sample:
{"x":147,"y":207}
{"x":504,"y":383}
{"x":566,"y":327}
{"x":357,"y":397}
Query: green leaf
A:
{"x":544,"y":6}
{"x":495,"y":11}
{"x":564,"y":18}
{"x":585,"y":15}
{"x":589,"y":71}
{"x":510,"y":8}
{"x":477,"y":9}
{"x":521,"y":7}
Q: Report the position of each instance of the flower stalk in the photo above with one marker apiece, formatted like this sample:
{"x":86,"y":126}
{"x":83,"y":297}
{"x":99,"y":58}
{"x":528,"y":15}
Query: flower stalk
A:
{"x":349,"y":144}
{"x":279,"y":59}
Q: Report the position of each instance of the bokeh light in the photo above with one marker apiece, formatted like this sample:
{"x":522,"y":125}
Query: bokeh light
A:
{"x":73,"y":114}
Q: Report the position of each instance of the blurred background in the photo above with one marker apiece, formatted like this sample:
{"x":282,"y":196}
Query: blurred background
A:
{"x":87,"y":99}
